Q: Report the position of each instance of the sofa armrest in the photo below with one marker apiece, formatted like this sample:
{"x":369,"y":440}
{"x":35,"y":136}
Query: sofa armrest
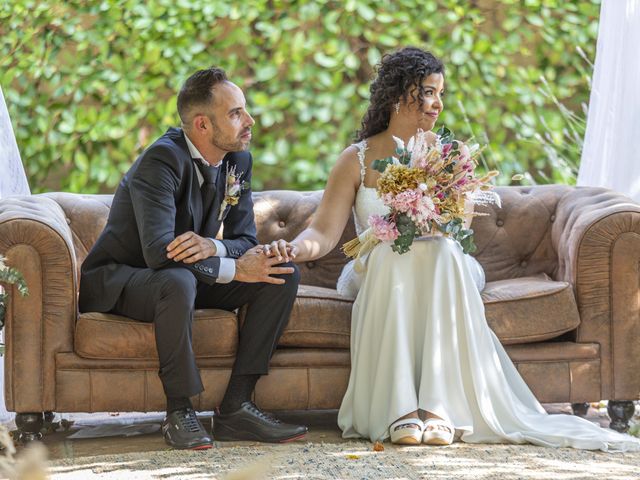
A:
{"x":597,"y":237}
{"x":36,"y":239}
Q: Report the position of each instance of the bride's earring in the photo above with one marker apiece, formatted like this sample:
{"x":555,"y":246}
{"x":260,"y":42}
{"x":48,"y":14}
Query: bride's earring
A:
{"x":397,"y":108}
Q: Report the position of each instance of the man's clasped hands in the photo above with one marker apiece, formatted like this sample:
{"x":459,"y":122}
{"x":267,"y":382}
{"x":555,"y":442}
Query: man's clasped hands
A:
{"x":258,"y":264}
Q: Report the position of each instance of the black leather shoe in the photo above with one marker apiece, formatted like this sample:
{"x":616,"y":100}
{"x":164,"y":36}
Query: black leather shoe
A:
{"x":251,"y":423}
{"x":182,"y":429}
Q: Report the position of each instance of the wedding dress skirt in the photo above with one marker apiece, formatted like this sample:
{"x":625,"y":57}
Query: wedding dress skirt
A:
{"x":419,"y":340}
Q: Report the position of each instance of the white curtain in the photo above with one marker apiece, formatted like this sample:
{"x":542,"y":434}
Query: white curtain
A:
{"x":13,"y":181}
{"x":611,"y":153}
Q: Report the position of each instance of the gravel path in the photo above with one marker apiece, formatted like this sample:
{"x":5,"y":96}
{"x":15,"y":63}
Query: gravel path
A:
{"x":356,"y":460}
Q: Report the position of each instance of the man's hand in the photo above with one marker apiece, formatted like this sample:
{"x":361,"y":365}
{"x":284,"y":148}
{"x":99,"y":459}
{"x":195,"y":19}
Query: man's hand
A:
{"x":281,"y":249}
{"x":190,"y":247}
{"x":254,"y":266}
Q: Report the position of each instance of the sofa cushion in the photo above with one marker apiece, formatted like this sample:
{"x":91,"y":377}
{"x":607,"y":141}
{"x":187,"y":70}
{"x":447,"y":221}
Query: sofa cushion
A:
{"x":530,"y":309}
{"x":320,"y":318}
{"x":520,"y":310}
{"x":104,"y":335}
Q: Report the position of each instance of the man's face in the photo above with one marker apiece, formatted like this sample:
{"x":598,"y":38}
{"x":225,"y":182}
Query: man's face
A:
{"x":229,"y":118}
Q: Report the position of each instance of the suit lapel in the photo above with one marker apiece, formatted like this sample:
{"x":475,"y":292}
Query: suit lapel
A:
{"x":195,"y":196}
{"x":206,"y":226}
{"x":195,"y":200}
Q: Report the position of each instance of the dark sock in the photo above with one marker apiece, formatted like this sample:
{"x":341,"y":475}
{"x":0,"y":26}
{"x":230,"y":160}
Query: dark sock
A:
{"x":178,"y":403}
{"x":238,"y":391}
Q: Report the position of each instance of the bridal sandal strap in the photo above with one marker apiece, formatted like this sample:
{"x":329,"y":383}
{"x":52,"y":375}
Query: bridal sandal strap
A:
{"x":435,"y":435}
{"x":406,"y":431}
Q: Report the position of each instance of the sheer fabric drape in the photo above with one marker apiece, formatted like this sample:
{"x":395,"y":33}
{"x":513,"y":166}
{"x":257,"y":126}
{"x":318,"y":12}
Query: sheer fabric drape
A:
{"x":13,"y":181}
{"x":611,"y":153}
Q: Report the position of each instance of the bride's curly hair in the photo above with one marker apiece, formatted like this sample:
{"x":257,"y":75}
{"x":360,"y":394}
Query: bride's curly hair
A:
{"x":398,"y":73}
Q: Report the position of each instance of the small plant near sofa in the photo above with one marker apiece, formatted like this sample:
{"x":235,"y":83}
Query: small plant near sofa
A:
{"x":9,"y":276}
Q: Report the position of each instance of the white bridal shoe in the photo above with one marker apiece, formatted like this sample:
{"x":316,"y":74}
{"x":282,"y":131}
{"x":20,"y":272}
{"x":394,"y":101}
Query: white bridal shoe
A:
{"x":435,"y":435}
{"x":406,"y":431}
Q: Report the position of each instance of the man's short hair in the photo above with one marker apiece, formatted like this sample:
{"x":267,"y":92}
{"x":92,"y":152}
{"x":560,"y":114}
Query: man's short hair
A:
{"x":197,"y":91}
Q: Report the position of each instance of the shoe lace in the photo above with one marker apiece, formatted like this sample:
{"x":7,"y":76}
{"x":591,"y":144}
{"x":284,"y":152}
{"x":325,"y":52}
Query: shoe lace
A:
{"x":264,"y":415}
{"x":189,"y":421}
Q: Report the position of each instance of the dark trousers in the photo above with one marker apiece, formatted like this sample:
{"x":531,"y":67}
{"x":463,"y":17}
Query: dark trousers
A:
{"x":168,"y":298}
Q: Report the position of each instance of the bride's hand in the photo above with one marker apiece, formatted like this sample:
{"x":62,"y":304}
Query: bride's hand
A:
{"x":282,"y":249}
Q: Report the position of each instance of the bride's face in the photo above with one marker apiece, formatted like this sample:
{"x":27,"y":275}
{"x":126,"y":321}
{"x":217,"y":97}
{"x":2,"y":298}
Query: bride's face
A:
{"x":425,"y":116}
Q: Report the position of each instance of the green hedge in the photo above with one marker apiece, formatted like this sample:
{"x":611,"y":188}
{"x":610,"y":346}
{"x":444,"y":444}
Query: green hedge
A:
{"x":90,"y":84}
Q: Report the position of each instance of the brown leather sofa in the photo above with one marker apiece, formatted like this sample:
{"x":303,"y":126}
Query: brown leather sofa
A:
{"x":563,"y":294}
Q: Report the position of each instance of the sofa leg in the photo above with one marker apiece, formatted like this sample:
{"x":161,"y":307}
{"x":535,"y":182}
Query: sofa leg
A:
{"x":620,"y":412}
{"x":580,"y":409}
{"x":29,"y":426}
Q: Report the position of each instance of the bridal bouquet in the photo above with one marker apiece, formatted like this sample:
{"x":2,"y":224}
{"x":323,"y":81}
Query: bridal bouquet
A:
{"x":426,"y":188}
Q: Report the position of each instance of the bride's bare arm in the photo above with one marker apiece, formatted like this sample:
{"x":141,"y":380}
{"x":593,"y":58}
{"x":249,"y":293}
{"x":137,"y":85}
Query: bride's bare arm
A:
{"x":335,"y":208}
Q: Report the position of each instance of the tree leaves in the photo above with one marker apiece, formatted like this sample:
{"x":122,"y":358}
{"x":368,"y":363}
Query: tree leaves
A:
{"x":90,"y":84}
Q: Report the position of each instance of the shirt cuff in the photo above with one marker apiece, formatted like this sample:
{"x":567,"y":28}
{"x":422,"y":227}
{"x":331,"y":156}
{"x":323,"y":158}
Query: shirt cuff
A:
{"x":227,"y":270}
{"x":221,"y":250}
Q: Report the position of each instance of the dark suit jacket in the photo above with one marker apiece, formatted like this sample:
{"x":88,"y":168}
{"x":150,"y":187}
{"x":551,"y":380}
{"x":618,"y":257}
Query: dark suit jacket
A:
{"x":158,"y":199}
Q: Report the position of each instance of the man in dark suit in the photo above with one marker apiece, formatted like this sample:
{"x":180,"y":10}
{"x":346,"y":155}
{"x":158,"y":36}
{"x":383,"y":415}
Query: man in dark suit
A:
{"x":156,"y":260}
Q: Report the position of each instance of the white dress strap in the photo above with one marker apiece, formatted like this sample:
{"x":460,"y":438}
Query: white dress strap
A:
{"x":362,"y":148}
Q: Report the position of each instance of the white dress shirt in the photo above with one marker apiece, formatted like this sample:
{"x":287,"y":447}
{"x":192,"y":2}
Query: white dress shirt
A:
{"x":227,"y":265}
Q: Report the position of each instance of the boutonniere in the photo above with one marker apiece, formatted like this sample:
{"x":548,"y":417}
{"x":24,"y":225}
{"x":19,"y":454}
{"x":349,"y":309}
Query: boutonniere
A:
{"x":232,"y":189}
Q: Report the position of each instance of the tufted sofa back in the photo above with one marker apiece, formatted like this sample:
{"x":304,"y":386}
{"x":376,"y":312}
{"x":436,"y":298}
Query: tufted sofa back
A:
{"x":517,"y":240}
{"x":279,"y":214}
{"x":513,"y":241}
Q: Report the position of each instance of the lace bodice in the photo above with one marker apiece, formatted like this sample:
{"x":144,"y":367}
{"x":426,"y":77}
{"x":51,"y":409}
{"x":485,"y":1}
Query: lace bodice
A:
{"x":367,"y":201}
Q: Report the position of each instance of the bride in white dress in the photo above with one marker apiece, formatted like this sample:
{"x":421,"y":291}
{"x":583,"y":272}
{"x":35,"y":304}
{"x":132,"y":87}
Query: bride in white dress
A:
{"x":424,"y":363}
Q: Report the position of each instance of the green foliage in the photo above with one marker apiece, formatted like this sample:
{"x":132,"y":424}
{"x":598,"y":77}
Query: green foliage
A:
{"x":89,"y":84}
{"x":408,"y":231}
{"x":9,"y":276}
{"x":455,"y":229}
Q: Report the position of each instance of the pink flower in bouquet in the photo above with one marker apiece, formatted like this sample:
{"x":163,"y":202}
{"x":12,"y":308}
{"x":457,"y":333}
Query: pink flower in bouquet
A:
{"x":428,"y":210}
{"x":427,"y":205}
{"x":446,"y":149}
{"x":384,"y":230}
{"x":406,"y":201}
